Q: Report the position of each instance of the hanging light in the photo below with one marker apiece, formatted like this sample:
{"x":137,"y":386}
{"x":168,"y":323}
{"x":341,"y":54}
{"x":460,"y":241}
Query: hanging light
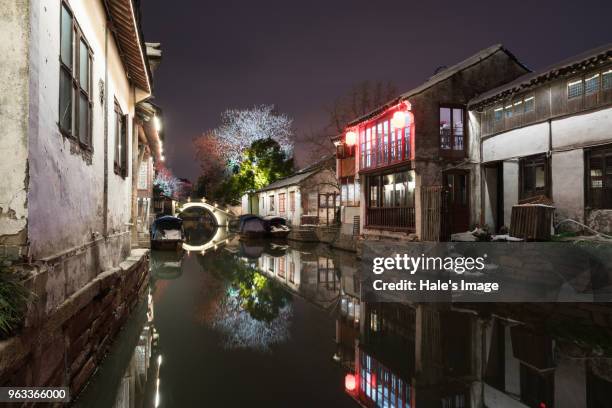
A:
{"x":351,"y":138}
{"x":399,"y":120}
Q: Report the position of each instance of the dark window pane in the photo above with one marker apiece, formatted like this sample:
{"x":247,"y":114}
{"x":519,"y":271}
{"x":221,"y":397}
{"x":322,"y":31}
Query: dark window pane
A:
{"x":65,"y":102}
{"x":66,"y":37}
{"x":445,"y":128}
{"x":529,"y":179}
{"x":84,"y":67}
{"x":458,"y":121}
{"x":389,"y":190}
{"x":373,"y":181}
{"x":83,"y":119}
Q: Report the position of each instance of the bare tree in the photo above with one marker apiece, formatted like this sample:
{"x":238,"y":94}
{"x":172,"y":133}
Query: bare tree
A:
{"x":359,"y":100}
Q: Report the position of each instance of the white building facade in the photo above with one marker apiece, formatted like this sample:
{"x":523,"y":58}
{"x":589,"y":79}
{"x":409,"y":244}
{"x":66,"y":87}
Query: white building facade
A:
{"x":547,"y":136}
{"x":71,"y":75}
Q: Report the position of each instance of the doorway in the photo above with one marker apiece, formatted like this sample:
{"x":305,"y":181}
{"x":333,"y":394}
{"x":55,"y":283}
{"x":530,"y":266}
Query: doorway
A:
{"x":494,"y":195}
{"x":457,"y":183}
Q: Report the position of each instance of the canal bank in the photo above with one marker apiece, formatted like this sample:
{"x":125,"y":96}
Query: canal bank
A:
{"x":65,"y":339}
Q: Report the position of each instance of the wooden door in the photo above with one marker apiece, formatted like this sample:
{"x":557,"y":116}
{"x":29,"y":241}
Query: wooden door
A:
{"x":457,"y":183}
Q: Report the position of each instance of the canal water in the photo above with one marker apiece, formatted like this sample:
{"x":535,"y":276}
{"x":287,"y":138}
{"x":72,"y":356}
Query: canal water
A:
{"x":263,"y":324}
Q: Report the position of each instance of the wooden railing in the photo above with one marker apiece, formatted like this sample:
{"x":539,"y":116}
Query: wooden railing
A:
{"x":395,"y":218}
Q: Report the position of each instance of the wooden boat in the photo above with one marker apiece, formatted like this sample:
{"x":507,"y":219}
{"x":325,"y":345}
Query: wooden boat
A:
{"x":167,"y":233}
{"x":253,"y":226}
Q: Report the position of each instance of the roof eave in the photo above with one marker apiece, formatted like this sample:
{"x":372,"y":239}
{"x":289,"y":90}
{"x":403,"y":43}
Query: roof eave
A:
{"x":128,"y":37}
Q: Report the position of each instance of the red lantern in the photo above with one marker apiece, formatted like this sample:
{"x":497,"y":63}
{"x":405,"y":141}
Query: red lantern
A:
{"x":350,"y":382}
{"x":351,"y":138}
{"x":399,"y":120}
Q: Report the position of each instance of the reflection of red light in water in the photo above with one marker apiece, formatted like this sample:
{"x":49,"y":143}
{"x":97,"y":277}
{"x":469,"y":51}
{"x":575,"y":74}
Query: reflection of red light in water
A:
{"x":350,"y":382}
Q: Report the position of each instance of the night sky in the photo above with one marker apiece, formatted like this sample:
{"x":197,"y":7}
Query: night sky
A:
{"x":301,"y":56}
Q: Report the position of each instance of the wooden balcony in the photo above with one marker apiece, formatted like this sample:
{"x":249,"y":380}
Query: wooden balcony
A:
{"x":391,"y":218}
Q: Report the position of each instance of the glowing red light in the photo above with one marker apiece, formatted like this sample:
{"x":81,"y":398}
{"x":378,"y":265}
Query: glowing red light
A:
{"x":373,"y":381}
{"x":350,"y":382}
{"x":351,"y":138}
{"x":399,"y":120}
{"x":542,"y":405}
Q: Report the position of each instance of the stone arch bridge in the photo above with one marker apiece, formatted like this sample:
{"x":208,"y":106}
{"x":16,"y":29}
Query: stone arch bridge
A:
{"x":221,"y":215}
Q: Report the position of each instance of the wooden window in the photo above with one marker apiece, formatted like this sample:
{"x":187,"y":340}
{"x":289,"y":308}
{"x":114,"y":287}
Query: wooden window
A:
{"x":574,"y":89}
{"x":313,"y":209}
{"x":120,"y":141}
{"x":498,"y":114}
{"x":452,"y":129}
{"x":75,"y":99}
{"x":382,"y":144}
{"x":291,"y":272}
{"x":281,"y":202}
{"x":529,"y":104}
{"x":271,"y":201}
{"x":518,"y":107}
{"x":508,"y":111}
{"x":292,"y":201}
{"x":534,"y":176}
{"x":349,"y":192}
{"x":591,"y":85}
{"x":599,"y":178}
{"x":143,"y":175}
{"x":606,"y":80}
{"x":390,"y":199}
{"x":281,"y":267}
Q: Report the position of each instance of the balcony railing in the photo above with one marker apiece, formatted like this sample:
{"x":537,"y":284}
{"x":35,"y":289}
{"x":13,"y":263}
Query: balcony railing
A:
{"x":393,"y":218}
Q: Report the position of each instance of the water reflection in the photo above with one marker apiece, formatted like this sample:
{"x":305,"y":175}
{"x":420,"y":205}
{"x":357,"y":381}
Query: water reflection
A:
{"x":228,"y":309}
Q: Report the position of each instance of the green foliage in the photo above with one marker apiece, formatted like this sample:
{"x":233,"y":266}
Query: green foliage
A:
{"x":263,"y":163}
{"x":14,"y":299}
{"x":258,"y":295}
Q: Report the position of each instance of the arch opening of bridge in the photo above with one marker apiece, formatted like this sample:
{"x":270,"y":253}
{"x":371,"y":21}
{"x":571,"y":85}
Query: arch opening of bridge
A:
{"x":221,"y":215}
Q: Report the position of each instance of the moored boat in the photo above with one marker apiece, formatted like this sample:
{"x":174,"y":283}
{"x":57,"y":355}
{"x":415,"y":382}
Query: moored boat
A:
{"x":167,"y":233}
{"x":254,"y":226}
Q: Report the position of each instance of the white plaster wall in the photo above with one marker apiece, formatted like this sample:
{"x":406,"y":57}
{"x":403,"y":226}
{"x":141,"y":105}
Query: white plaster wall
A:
{"x":588,"y":128}
{"x":66,"y":193}
{"x":14,"y":88}
{"x":567,"y":170}
{"x":347,"y":219}
{"x":513,"y":367}
{"x":570,"y":383}
{"x":516,"y":143}
{"x":497,"y":399}
{"x":511,"y":188}
{"x":490,"y":196}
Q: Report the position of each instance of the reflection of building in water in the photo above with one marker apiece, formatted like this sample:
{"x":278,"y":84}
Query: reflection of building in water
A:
{"x":430,"y":355}
{"x":311,"y":274}
{"x":139,"y":385}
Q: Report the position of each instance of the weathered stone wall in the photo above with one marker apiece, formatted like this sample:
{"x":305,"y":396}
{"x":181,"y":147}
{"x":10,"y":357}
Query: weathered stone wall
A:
{"x":64,"y":345}
{"x":14,"y":116}
{"x":600,"y":220}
